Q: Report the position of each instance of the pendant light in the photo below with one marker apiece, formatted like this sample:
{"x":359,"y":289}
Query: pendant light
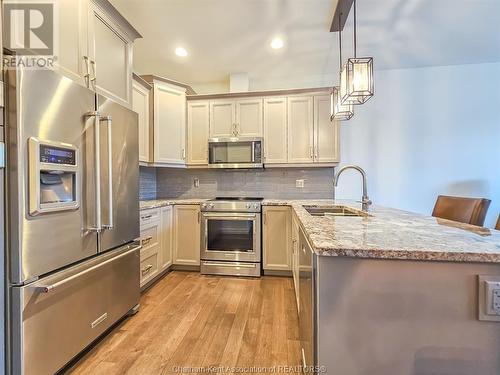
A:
{"x":356,"y":79}
{"x":339,"y":111}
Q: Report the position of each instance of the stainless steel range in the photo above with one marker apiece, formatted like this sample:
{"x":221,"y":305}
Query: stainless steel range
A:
{"x":230,"y":236}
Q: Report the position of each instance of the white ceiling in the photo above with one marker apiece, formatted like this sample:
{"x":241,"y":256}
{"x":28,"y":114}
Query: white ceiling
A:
{"x":232,"y":36}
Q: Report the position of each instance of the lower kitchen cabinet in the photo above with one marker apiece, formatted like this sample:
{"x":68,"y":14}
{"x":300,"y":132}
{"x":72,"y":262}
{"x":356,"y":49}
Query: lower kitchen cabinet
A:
{"x":150,"y":224}
{"x":156,"y":241}
{"x":166,"y":237}
{"x":276,"y":234}
{"x":295,"y":258}
{"x":186,"y":235}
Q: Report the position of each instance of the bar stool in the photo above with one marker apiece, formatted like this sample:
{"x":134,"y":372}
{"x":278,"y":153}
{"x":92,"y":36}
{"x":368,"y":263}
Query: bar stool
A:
{"x":498,"y":223}
{"x":465,"y":210}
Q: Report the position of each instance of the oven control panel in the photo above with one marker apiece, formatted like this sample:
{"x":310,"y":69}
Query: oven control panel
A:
{"x":231,"y":206}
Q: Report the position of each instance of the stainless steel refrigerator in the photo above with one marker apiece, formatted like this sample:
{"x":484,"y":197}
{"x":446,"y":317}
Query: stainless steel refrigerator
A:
{"x":72,"y":217}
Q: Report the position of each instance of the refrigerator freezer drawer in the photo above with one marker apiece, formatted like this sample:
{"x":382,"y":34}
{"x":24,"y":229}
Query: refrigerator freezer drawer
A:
{"x":56,"y":317}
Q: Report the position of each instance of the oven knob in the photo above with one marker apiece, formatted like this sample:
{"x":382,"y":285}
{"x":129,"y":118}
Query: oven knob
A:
{"x":211,"y":205}
{"x":249,"y":205}
{"x":204,"y":205}
{"x":256,"y":205}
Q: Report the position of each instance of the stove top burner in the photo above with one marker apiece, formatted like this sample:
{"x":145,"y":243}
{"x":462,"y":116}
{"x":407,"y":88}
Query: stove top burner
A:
{"x":239,"y":199}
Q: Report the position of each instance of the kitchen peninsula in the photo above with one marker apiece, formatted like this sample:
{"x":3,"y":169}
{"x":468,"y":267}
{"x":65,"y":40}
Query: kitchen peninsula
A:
{"x":369,"y":284}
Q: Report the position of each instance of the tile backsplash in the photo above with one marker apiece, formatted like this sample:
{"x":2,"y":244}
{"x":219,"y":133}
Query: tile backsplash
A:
{"x":267,"y":183}
{"x":147,"y":183}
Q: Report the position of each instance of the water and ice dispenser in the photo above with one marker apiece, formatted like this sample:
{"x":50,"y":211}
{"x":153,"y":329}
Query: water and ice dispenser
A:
{"x":53,"y":176}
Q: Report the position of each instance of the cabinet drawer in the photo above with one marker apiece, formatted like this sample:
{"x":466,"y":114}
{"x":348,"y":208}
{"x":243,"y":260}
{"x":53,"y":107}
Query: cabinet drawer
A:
{"x":150,"y":235}
{"x":150,"y":216}
{"x":149,"y":266}
{"x":50,"y":328}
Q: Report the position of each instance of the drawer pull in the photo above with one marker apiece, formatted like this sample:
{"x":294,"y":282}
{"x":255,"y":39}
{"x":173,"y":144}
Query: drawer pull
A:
{"x":49,"y":288}
{"x":147,"y":240}
{"x":146,"y":217}
{"x":146,"y":269}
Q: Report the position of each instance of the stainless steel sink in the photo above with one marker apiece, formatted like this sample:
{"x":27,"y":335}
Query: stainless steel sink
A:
{"x":334,"y":211}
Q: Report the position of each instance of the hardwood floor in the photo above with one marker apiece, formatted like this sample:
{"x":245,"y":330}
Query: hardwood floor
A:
{"x":191,"y":320}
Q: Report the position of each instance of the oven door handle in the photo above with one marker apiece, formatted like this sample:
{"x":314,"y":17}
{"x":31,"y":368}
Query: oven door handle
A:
{"x":229,"y":217}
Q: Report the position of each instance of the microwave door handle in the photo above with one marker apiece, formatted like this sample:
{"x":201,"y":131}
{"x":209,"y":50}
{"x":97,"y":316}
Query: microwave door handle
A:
{"x":97,"y":227}
{"x":253,"y":152}
{"x":109,"y":122}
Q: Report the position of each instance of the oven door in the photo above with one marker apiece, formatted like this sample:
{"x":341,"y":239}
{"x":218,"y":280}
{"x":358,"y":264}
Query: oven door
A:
{"x":230,"y":236}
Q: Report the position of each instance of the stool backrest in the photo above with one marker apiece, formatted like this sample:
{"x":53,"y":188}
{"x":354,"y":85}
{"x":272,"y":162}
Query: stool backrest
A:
{"x":465,"y":210}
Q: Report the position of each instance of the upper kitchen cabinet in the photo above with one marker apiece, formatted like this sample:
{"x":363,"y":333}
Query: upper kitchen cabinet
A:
{"x":197,"y":130}
{"x":140,"y":104}
{"x":96,"y":47}
{"x":249,"y":117}
{"x":110,"y":52}
{"x":326,"y":132}
{"x":275,"y":130}
{"x":222,"y":118}
{"x":300,"y":130}
{"x":73,"y":48}
{"x":169,"y":122}
{"x":236,"y":118}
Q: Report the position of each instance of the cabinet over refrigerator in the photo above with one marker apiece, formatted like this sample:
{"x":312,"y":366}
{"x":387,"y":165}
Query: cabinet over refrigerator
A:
{"x":72,"y":218}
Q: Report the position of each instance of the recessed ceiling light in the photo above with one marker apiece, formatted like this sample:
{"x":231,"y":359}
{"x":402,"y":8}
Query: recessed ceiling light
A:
{"x":180,"y":51}
{"x":277,"y":43}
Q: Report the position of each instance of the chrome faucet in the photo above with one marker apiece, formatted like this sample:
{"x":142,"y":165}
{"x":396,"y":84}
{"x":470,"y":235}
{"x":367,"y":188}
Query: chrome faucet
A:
{"x":366,"y":202}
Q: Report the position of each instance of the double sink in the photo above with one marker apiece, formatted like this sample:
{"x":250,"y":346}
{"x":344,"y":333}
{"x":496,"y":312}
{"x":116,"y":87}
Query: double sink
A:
{"x":334,"y":210}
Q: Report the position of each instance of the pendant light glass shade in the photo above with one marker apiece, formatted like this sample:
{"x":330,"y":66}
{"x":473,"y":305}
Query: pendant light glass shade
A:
{"x":339,"y":111}
{"x":356,"y":81}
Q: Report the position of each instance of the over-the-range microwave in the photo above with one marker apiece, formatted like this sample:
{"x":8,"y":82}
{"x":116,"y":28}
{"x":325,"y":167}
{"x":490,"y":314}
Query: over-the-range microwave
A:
{"x":237,"y":152}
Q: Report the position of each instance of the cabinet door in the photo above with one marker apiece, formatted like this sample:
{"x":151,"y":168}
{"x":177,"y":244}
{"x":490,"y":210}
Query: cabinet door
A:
{"x":326,"y":132}
{"x":222,"y":118}
{"x":187,"y":235}
{"x":169,"y":124}
{"x":73,"y":43}
{"x":275,"y":132}
{"x":197,"y":129}
{"x":249,"y":118}
{"x":276,"y":238}
{"x":166,"y":238}
{"x":295,"y":257}
{"x":140,"y":104}
{"x":300,"y":130}
{"x":111,"y":57}
{"x":307,"y":302}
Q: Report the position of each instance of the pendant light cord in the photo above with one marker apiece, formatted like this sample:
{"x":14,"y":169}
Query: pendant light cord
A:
{"x":340,"y":44}
{"x":355,"y":27}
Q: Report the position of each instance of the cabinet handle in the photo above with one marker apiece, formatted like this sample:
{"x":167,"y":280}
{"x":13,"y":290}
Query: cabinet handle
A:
{"x":146,"y":217}
{"x":94,"y":68}
{"x":183,"y":154}
{"x":316,"y":152}
{"x":264,"y":218}
{"x":147,"y":240}
{"x":146,"y":269}
{"x":311,"y":152}
{"x":199,"y":217}
{"x":86,"y":76}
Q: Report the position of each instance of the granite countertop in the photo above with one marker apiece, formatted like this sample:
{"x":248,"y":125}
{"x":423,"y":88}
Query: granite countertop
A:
{"x":388,"y":233}
{"x":155,"y":203}
{"x":384,"y":233}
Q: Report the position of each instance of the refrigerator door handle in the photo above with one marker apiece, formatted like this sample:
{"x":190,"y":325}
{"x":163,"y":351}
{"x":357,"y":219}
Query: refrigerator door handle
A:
{"x":109,"y":123}
{"x":97,"y":171}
